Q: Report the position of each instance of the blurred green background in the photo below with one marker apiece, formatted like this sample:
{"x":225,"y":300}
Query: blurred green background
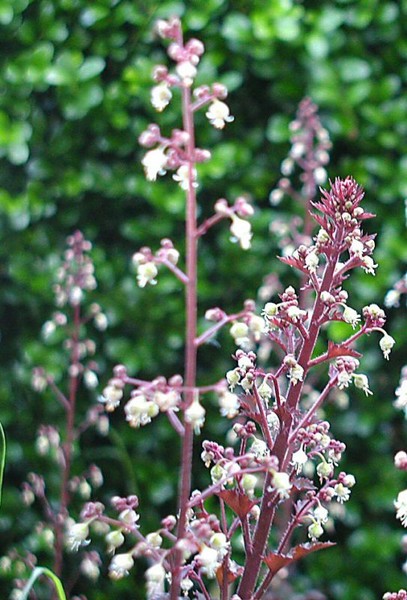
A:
{"x":75,"y":85}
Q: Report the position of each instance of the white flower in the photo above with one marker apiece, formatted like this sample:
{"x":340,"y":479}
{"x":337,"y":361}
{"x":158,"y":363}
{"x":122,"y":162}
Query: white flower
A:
{"x":356,"y":248}
{"x":217,"y":473}
{"x":146,"y":273}
{"x":259,"y":448}
{"x":344,"y":379}
{"x":327,"y":298}
{"x":362,"y":382}
{"x":111,"y":397}
{"x":120,"y":565}
{"x":167,"y":400}
{"x":207,"y":559}
{"x":42,"y":445}
{"x":298,"y":460}
{"x":401,"y":393}
{"x":229,"y":405}
{"x":219,"y":542}
{"x":100,"y":321}
{"x":154,"y":539}
{"x":297,"y":149}
{"x":386,"y":344}
{"x":48,"y":329}
{"x":351,"y":316}
{"x":244,"y":362}
{"x":320,"y":175}
{"x":248,"y":484}
{"x":218,"y":114}
{"x":322,"y":236}
{"x":392,"y":298}
{"x":182,"y":177}
{"x":281,"y":483}
{"x":160,"y":96}
{"x":321,"y":514}
{"x":315,"y":530}
{"x":154,"y":163}
{"x":247,"y":382}
{"x":369,"y":265}
{"x":270,"y":309}
{"x":139,"y":411}
{"x":349,"y":480}
{"x":294,"y":313}
{"x":312,"y":261}
{"x":296,"y":374}
{"x":114,"y":539}
{"x":342,"y":493}
{"x":38,"y":381}
{"x":239,"y":332}
{"x":186,"y":585}
{"x":89,"y":568}
{"x":256,"y":326}
{"x":75,"y":295}
{"x":287,"y":166}
{"x":265,"y":391}
{"x":241,"y":231}
{"x":90,"y":379}
{"x":325,"y":469}
{"x":155,"y":578}
{"x":275,"y":197}
{"x":195,"y":415}
{"x":273,"y":423}
{"x":76,"y":536}
{"x":187,"y":72}
{"x":401,"y":506}
{"x":129,"y":517}
{"x":233,"y":378}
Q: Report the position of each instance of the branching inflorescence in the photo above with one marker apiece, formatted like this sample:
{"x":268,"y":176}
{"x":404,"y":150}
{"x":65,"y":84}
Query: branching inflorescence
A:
{"x":56,"y":492}
{"x":284,"y":460}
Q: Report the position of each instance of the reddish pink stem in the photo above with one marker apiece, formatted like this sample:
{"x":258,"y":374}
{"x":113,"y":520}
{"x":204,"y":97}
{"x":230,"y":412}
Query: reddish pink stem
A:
{"x":191,"y":302}
{"x":67,"y":446}
{"x":281,"y":448}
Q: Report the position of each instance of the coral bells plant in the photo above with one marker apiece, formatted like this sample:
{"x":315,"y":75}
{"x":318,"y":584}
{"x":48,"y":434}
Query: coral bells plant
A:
{"x":279,"y":471}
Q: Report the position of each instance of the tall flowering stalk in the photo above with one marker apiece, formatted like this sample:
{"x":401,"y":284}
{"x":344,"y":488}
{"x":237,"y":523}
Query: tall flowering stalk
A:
{"x":75,"y":278}
{"x":393,"y":299}
{"x":283,"y":455}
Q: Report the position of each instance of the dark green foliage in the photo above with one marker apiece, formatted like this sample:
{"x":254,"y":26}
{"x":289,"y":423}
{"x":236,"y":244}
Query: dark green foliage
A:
{"x":75,"y":79}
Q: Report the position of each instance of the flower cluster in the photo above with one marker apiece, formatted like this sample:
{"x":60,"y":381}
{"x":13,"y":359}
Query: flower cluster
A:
{"x":309,"y":151}
{"x":174,"y":153}
{"x":146,"y":262}
{"x":147,"y":399}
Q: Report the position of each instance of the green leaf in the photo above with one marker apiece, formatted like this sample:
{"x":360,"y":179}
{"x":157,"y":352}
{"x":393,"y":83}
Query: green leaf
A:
{"x":2,"y":457}
{"x":38,"y":571}
{"x":92,"y":66}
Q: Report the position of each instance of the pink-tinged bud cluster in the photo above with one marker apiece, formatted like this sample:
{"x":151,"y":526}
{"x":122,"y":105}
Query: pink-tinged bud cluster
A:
{"x":147,"y":399}
{"x":341,"y":218}
{"x":146,"y":262}
{"x":76,"y":275}
{"x":400,"y":595}
{"x":309,"y":151}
